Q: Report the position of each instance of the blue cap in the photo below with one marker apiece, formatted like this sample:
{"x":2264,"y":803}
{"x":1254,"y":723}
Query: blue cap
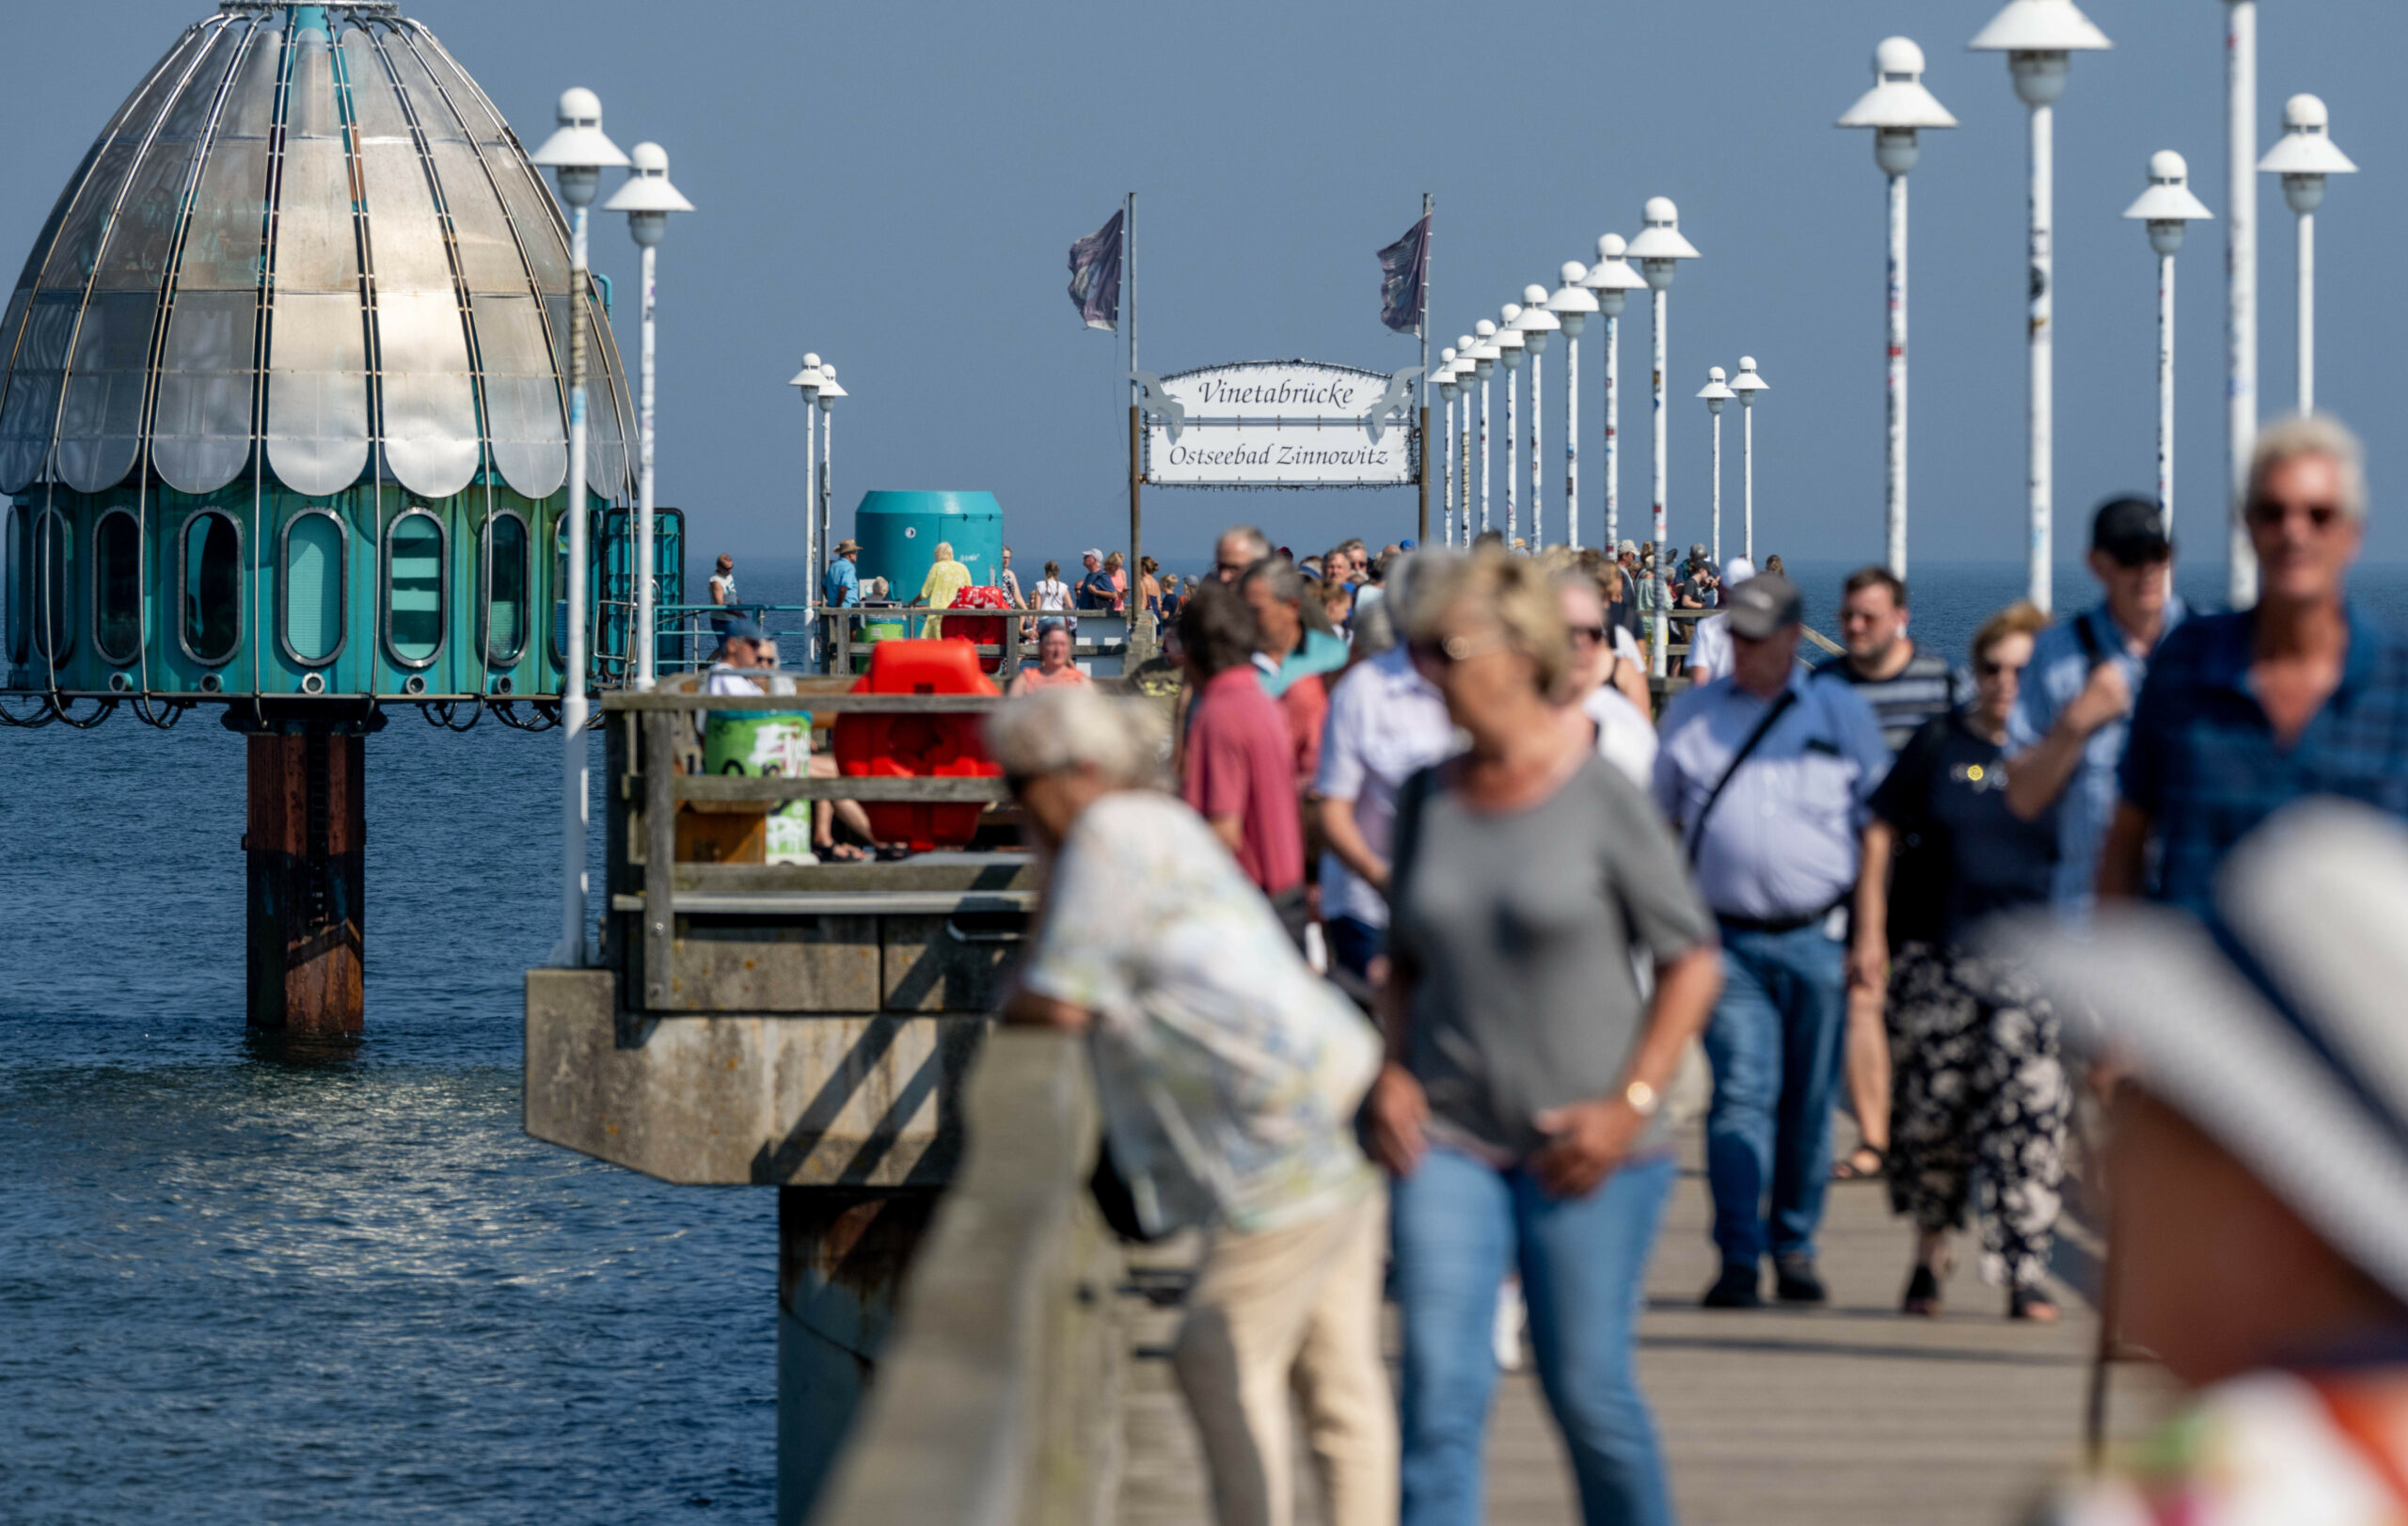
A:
{"x":743,"y":628}
{"x":1404,"y":546}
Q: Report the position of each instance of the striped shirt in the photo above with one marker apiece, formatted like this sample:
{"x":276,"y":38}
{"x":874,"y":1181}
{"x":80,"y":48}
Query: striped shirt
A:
{"x":1904,"y":701}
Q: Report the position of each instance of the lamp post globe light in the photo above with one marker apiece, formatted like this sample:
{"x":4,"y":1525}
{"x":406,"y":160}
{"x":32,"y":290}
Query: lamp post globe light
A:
{"x":1748,"y":384}
{"x":2168,"y":207}
{"x":2040,"y":39}
{"x":1535,"y":325}
{"x":1612,"y":281}
{"x":647,"y":199}
{"x":1510,"y":347}
{"x":807,"y":381}
{"x":577,"y":152}
{"x":1897,"y":108}
{"x":1716,"y":393}
{"x":1484,"y":355}
{"x":1572,"y":303}
{"x":1659,"y":248}
{"x":2304,"y":156}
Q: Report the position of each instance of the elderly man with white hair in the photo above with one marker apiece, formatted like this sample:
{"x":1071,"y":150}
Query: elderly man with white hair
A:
{"x":2244,"y":713}
{"x":1228,"y":1075}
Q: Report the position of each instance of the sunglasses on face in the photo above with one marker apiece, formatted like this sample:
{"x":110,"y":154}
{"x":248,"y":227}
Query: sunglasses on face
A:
{"x":1595,"y":635}
{"x":2265,"y":513}
{"x":1988,"y":668}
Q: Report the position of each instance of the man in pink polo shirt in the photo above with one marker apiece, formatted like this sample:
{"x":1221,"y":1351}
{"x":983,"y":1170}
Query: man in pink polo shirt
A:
{"x":1240,"y":771}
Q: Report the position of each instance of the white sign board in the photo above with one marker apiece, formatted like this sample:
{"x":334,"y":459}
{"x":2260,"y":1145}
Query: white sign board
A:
{"x":1278,"y":423}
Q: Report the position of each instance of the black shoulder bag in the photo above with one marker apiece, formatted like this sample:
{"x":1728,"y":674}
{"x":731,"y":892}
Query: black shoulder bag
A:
{"x":1772,"y":718}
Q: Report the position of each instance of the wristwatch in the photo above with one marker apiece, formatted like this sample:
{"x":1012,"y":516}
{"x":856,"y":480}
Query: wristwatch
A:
{"x":1642,"y":1098}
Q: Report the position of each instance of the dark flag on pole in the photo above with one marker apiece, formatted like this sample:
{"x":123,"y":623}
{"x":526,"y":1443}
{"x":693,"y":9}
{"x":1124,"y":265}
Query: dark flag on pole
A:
{"x":1403,"y":266}
{"x":1095,"y":275}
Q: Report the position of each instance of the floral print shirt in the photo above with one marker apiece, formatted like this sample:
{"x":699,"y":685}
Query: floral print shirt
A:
{"x":1228,"y":1072}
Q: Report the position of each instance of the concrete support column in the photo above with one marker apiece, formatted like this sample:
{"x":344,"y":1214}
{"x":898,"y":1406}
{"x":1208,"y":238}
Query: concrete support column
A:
{"x":842,"y":1256}
{"x":304,"y":837}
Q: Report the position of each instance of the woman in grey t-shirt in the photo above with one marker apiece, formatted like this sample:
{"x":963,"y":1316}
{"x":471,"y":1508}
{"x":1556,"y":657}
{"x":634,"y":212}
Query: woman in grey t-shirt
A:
{"x":1518,"y":1103}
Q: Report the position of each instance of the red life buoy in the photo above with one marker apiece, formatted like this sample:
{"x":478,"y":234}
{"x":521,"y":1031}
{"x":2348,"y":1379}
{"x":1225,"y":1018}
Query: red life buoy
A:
{"x":918,"y":746}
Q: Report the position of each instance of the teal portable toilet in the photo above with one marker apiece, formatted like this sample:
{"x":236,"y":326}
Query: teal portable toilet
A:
{"x":899,"y":532}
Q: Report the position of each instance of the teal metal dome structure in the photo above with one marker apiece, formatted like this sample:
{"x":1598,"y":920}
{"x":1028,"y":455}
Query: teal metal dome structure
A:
{"x":282,"y":390}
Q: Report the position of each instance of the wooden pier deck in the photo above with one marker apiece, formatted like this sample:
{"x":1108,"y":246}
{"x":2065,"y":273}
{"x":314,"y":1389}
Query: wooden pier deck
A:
{"x":1853,"y":1414}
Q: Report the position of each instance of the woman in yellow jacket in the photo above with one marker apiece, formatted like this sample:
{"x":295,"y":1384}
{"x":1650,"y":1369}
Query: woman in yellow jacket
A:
{"x":946,"y":578}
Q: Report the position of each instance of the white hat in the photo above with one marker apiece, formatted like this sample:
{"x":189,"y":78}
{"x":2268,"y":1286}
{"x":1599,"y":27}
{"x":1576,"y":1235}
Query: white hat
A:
{"x":2285,"y":1044}
{"x":1737,"y":570}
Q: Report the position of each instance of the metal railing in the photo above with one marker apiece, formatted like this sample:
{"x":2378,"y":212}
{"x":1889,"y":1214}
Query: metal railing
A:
{"x":688,"y":634}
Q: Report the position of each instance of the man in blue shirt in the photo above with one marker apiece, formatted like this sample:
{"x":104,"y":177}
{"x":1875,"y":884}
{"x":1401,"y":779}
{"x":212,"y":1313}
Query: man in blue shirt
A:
{"x":1775,"y":832}
{"x":2065,"y":734}
{"x":842,"y":587}
{"x":1095,"y":589}
{"x":2244,"y":713}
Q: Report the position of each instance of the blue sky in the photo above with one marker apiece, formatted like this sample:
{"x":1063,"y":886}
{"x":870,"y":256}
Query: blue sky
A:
{"x":896,"y":187}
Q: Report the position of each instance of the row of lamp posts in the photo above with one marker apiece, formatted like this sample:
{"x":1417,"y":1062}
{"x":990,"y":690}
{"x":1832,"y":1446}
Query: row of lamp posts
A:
{"x":1526,"y":326}
{"x":577,"y":152}
{"x":2039,"y":38}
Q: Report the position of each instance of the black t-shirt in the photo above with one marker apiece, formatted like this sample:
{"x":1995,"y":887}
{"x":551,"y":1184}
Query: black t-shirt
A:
{"x":1947,"y":793}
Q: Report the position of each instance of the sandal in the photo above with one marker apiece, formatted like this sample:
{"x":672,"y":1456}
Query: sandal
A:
{"x":2031,"y":1304}
{"x":1851,"y":1170}
{"x":842,"y":853}
{"x":1923,"y":1295}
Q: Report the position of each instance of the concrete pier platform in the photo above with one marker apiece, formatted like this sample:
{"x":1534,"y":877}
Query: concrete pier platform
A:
{"x":1853,"y":1414}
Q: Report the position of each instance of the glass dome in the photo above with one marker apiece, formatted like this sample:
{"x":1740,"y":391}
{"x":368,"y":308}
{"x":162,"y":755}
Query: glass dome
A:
{"x":307,"y":247}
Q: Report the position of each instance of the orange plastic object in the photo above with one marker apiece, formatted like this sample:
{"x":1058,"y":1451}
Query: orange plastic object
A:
{"x":985,"y":630}
{"x":918,"y":746}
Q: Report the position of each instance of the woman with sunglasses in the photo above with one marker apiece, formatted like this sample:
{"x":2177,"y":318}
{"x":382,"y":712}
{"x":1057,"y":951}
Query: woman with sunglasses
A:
{"x":1978,"y":1091}
{"x":1603,"y":678}
{"x":1518,"y":1104}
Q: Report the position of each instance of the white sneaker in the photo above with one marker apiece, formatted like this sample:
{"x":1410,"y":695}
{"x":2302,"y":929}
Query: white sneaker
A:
{"x":1513,"y":1315}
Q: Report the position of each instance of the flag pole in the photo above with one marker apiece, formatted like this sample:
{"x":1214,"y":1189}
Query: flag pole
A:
{"x":1421,"y":382}
{"x":1135,"y":610}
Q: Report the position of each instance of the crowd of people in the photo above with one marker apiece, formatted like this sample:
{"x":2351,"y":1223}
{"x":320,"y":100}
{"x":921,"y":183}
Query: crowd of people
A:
{"x":1436,"y":782}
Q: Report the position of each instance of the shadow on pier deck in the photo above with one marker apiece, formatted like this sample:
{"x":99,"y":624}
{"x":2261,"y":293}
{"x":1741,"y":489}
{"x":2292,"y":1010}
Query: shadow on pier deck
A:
{"x":1028,"y":1382}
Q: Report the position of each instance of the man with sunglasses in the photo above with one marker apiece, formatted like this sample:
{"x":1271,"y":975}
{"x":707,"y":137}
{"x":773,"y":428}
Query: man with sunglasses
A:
{"x":1238,"y":547}
{"x":2244,"y":713}
{"x":2066,"y":736}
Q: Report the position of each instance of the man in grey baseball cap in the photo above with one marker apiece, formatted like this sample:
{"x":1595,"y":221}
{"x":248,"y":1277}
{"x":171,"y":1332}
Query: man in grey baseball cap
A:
{"x":1768,"y":775}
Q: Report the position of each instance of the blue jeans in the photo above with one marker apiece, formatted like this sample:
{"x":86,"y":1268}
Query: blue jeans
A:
{"x":1774,"y":1043}
{"x":1354,"y":943}
{"x":1460,"y":1224}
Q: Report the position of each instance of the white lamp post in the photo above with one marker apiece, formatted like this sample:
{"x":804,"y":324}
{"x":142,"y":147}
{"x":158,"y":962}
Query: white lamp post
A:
{"x":1659,"y":248}
{"x":579,"y":152}
{"x":1897,"y":108}
{"x":1716,"y":393}
{"x":1448,"y":391}
{"x":1510,"y":346}
{"x":2168,"y":207}
{"x":807,"y":381}
{"x":2306,"y":154}
{"x":1748,"y":384}
{"x":1612,"y":280}
{"x":2241,"y":281}
{"x":2039,"y":38}
{"x":1572,"y":303}
{"x":1484,"y":355}
{"x":647,"y":199}
{"x":829,"y":393}
{"x":1536,"y":323}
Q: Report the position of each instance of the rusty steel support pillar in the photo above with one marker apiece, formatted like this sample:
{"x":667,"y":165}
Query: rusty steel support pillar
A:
{"x":842,"y":1255}
{"x":307,"y":827}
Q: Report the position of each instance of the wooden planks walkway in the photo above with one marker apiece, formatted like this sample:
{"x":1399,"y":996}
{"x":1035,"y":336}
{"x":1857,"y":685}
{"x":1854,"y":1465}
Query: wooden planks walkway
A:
{"x":1851,"y":1415}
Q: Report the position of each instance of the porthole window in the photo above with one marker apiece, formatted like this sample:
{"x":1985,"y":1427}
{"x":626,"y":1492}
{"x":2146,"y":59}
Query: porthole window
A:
{"x":21,"y":583}
{"x":210,"y":588}
{"x":315,"y":581}
{"x":117,"y":587}
{"x":505,"y":570}
{"x":413,"y":588}
{"x":53,"y":585}
{"x":560,"y":591}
